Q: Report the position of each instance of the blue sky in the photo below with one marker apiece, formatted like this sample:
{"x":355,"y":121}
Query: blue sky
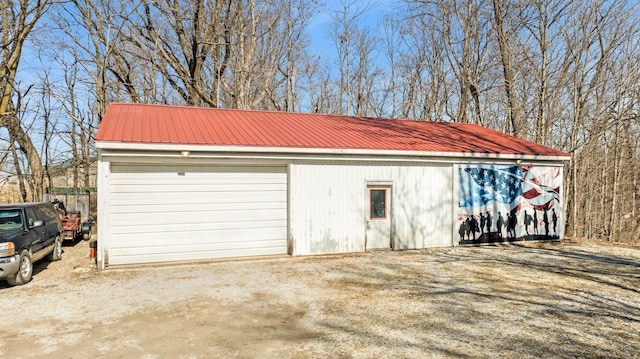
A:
{"x":319,"y":30}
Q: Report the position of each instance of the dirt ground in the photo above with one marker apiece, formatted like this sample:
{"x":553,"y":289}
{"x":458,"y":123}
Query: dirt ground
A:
{"x":554,"y":300}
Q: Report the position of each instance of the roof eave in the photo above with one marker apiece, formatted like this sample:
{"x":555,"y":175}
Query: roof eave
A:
{"x":112,"y":145}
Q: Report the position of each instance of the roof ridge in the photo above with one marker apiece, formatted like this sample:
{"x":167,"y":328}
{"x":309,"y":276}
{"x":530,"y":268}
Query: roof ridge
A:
{"x":191,"y":107}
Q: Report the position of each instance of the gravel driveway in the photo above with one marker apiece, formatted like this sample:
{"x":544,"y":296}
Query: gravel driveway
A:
{"x":562,"y":300}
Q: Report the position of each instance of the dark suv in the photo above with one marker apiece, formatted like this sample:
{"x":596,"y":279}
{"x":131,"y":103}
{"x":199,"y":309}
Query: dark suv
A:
{"x":28,"y":232}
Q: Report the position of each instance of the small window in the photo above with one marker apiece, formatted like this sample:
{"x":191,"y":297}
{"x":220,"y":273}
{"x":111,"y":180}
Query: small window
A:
{"x":378,"y":202}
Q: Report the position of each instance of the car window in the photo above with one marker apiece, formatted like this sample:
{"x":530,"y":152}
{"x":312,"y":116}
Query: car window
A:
{"x":31,"y":216}
{"x":10,"y":219}
{"x":48,"y":212}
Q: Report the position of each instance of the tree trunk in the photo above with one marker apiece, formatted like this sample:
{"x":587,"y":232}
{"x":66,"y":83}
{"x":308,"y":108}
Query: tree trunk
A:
{"x":15,"y":28}
{"x":507,"y":68}
{"x":18,"y":168}
{"x":31,"y":153}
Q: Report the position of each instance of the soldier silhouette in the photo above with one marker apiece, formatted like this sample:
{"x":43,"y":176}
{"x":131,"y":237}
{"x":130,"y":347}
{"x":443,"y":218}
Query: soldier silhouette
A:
{"x":512,"y":222}
{"x":545,"y":220}
{"x":535,"y":221}
{"x":527,"y":222}
{"x":461,"y":231}
{"x":489,"y":222}
{"x":467,"y":228}
{"x":499,"y":224}
{"x":474,"y":227}
{"x":482,"y":223}
{"x":554,"y":219}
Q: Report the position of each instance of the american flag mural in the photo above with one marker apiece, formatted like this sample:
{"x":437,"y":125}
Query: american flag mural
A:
{"x":499,"y":203}
{"x":541,"y":186}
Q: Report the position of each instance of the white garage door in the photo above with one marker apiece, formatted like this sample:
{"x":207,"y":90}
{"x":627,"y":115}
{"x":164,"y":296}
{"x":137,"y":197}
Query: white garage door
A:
{"x":169,"y":213}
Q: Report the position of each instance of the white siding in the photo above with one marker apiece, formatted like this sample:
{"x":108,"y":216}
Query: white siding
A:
{"x":104,"y":174}
{"x":167,"y":213}
{"x":328,"y":205}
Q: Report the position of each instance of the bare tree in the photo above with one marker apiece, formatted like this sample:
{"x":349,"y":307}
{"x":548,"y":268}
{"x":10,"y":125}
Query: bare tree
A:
{"x":95,"y":29}
{"x":35,"y":178}
{"x":18,"y":19}
{"x":507,"y":67}
{"x":462,"y":28}
{"x":354,"y":47}
{"x":543,"y":24}
{"x":288,"y":40}
{"x":78,"y":133}
{"x":597,"y":48}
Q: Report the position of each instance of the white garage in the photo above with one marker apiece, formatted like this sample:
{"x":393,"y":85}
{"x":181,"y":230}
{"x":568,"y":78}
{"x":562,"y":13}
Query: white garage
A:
{"x":185,"y":183}
{"x":167,"y":213}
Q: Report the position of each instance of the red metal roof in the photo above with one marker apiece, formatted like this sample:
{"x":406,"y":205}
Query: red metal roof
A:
{"x":160,"y":124}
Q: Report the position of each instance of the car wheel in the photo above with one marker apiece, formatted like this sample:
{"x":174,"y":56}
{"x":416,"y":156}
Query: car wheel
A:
{"x":56,"y":253}
{"x":25,"y":272}
{"x":86,"y":231}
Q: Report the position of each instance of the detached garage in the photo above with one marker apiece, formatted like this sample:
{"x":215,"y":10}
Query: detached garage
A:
{"x":185,"y":183}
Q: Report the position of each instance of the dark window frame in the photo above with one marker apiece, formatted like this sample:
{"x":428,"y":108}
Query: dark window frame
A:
{"x":373,"y":211}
